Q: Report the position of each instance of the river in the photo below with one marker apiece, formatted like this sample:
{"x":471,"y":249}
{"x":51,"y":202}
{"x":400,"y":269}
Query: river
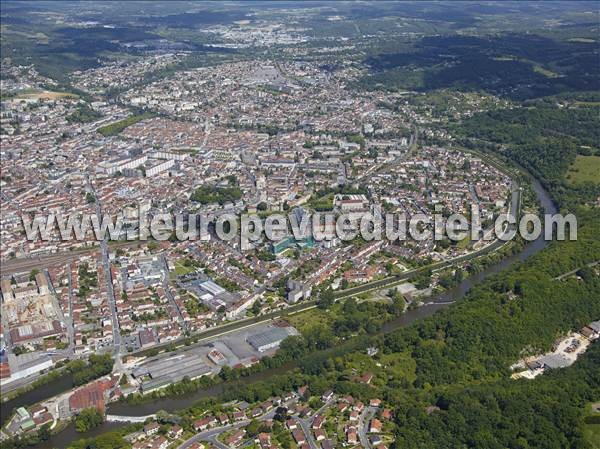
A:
{"x":64,"y":438}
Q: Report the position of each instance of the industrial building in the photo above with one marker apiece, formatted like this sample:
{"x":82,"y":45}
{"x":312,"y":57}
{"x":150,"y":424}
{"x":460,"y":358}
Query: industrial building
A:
{"x":212,"y":288}
{"x":270,"y":338}
{"x":25,"y":365}
{"x":161,"y":372}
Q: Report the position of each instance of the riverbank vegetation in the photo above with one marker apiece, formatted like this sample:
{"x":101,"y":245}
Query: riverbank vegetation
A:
{"x":88,"y":419}
{"x":97,"y":365}
{"x":56,"y":373}
{"x":108,"y":440}
{"x":80,"y":372}
{"x":342,"y":327}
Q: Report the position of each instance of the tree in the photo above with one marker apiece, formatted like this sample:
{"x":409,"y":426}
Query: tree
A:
{"x":212,"y":194}
{"x":459,"y":275}
{"x":586,"y":273}
{"x":110,"y":440}
{"x":326,"y":299}
{"x":97,"y":366}
{"x":256,"y":307}
{"x":88,"y":419}
{"x":43,"y":433}
{"x":253,"y":428}
{"x":32,"y":274}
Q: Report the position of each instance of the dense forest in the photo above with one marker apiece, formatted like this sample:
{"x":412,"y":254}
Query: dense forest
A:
{"x":514,"y":65}
{"x":544,"y":413}
{"x":545,"y":139}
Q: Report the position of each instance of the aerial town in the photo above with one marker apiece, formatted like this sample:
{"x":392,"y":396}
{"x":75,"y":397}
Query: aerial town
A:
{"x":119,"y":322}
{"x":272,"y":137}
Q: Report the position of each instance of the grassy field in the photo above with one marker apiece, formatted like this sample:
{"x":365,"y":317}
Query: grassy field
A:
{"x":464,"y":243}
{"x":33,"y":94}
{"x":585,"y":40}
{"x":585,"y":169}
{"x":181,"y":269}
{"x":311,"y":318}
{"x":385,"y":367}
{"x":548,"y":73}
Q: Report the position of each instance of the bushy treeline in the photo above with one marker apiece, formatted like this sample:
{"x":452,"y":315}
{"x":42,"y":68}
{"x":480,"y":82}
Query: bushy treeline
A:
{"x":96,"y":366}
{"x":115,"y":128}
{"x":83,"y":114}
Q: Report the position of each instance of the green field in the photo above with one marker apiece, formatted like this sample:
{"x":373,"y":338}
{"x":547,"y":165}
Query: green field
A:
{"x":181,"y":269}
{"x":38,"y":94}
{"x":309,"y":319}
{"x":585,"y":169}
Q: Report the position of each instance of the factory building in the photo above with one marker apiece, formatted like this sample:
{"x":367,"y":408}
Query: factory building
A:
{"x":161,"y":372}
{"x":212,"y":288}
{"x":270,"y":338}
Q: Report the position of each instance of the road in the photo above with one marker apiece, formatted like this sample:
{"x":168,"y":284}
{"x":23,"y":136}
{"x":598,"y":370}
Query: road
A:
{"x":68,"y":320}
{"x":71,"y":324}
{"x":306,"y":424}
{"x":128,"y":419}
{"x":363,"y":426}
{"x":169,"y":293}
{"x":572,"y":272}
{"x":110,"y":293}
{"x":212,"y":434}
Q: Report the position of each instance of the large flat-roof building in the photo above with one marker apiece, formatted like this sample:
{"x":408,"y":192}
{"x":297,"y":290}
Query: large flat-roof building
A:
{"x":212,"y":288}
{"x":270,"y":338}
{"x":161,"y":372}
